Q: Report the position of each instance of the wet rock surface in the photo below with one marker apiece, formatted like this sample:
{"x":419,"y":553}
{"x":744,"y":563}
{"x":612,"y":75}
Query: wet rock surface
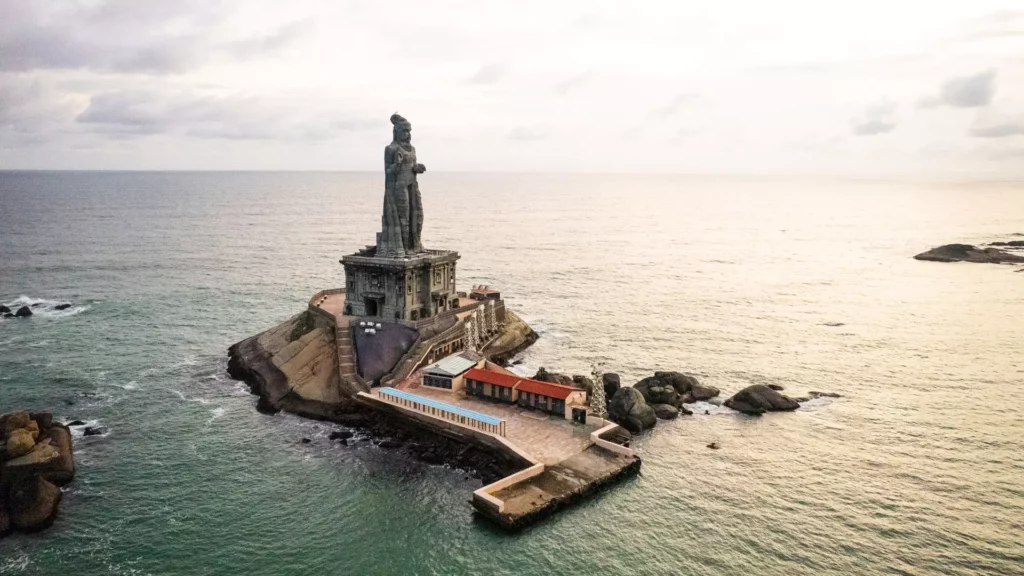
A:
{"x":758,"y":399}
{"x":628,"y":409}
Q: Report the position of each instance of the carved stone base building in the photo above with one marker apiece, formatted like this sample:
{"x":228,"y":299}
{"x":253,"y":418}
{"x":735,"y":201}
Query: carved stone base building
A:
{"x":410,"y":288}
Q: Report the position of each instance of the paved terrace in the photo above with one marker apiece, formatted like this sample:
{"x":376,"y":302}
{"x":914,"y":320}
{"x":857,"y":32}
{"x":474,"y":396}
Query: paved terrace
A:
{"x":548,"y":439}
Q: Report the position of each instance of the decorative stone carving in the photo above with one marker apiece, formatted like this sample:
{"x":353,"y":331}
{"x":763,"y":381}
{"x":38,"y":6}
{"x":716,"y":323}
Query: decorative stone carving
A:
{"x":402,"y":220}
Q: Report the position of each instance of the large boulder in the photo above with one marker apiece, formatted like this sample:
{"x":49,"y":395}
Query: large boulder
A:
{"x":14,"y":420}
{"x":656,"y":391}
{"x":611,"y":383}
{"x":628,"y":409}
{"x":33,"y":503}
{"x":23,"y":312}
{"x":553,"y":377}
{"x":758,"y":399}
{"x":4,"y":309}
{"x":688,"y":386}
{"x":19,"y":443}
{"x":665,"y":411}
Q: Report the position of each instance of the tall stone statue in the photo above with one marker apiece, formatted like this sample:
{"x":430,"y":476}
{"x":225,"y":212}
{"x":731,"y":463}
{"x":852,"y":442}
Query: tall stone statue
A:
{"x":403,"y":212}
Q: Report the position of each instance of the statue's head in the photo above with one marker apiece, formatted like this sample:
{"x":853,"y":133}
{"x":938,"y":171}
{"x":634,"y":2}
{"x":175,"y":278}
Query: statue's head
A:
{"x":402,"y":131}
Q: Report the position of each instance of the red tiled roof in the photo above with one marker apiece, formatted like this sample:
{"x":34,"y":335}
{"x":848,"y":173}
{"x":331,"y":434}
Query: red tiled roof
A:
{"x":546,"y":388}
{"x":490,"y":377}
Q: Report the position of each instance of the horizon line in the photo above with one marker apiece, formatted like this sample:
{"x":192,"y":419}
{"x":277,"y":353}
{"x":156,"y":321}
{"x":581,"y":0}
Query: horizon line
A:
{"x":844,"y":176}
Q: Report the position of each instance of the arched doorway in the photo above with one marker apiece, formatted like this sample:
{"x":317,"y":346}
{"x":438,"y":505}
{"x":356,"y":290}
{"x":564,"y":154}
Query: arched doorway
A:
{"x":371,"y":307}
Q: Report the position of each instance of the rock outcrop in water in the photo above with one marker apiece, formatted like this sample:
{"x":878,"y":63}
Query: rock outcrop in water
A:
{"x":293,"y":367}
{"x":35,"y":459}
{"x":969,"y":253}
{"x":688,"y":388}
{"x":758,"y":399}
{"x":516,"y":336}
{"x":628,"y":409}
{"x":23,"y":312}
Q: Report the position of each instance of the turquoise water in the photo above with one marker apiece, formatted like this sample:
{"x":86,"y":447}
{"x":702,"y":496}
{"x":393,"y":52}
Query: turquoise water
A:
{"x":917,"y":469}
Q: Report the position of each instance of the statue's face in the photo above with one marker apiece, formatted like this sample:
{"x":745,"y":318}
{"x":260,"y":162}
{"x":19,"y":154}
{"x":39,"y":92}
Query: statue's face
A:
{"x":405,"y":135}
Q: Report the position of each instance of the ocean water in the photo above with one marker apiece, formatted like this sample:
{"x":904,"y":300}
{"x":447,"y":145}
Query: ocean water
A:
{"x":917,"y":469}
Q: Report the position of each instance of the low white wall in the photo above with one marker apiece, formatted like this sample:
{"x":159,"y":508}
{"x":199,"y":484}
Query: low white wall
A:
{"x":595,"y":437}
{"x":487,"y":492}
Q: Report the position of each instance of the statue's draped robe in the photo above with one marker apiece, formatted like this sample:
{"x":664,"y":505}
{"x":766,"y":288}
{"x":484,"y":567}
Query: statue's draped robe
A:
{"x":402,"y":220}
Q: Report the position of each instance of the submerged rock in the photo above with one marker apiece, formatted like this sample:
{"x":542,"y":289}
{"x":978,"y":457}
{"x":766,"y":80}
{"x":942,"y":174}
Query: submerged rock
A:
{"x":628,"y":409}
{"x":968,"y":253}
{"x":23,"y":312}
{"x":776,"y":387}
{"x":93,"y":431}
{"x":4,"y":309}
{"x":814,"y":394}
{"x":340,"y":435}
{"x":62,"y":306}
{"x":1010,"y":244}
{"x":758,"y":399}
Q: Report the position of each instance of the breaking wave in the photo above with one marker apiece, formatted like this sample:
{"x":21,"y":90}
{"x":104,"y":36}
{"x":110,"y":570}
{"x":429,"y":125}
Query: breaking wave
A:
{"x":47,"y":308}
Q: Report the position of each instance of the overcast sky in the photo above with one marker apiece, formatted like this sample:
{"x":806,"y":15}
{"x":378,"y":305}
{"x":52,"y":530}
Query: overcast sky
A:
{"x":869,"y":88}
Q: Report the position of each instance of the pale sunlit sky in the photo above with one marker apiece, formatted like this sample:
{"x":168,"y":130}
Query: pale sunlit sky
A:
{"x":867,"y":88}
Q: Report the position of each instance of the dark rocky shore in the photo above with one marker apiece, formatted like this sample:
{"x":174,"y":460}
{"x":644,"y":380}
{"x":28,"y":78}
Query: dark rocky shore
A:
{"x":35,"y":460}
{"x":969,"y":253}
{"x":251,"y":364}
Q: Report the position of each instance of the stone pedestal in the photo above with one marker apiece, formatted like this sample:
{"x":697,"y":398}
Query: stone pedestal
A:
{"x":411,"y":288}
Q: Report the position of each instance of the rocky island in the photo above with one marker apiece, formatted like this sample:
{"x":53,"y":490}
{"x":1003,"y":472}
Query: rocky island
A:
{"x":35,"y":460}
{"x":970,"y":253}
{"x":401,"y":353}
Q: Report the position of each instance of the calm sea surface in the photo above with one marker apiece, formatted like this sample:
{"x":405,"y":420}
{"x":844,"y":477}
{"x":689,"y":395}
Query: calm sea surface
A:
{"x":917,"y":469}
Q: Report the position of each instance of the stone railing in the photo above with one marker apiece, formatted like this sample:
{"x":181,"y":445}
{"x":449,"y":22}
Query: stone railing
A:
{"x":314,"y":303}
{"x":411,"y":359}
{"x":486,"y":494}
{"x":316,"y":297}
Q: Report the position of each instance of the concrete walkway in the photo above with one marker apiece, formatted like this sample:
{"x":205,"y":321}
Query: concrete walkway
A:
{"x":550,"y":440}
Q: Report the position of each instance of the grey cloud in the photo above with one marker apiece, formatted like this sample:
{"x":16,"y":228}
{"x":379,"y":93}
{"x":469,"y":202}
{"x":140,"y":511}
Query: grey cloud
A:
{"x":32,"y":107}
{"x":998,"y":130}
{"x":227,"y":117}
{"x":280,"y":39}
{"x":996,"y":124}
{"x":974,"y":91}
{"x":573,"y":82}
{"x":489,"y":73}
{"x":876,"y":119}
{"x":118,"y":35}
{"x":674,"y":105}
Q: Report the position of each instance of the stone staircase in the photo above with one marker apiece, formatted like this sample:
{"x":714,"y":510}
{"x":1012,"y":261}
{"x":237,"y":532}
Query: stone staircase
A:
{"x":346,"y":360}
